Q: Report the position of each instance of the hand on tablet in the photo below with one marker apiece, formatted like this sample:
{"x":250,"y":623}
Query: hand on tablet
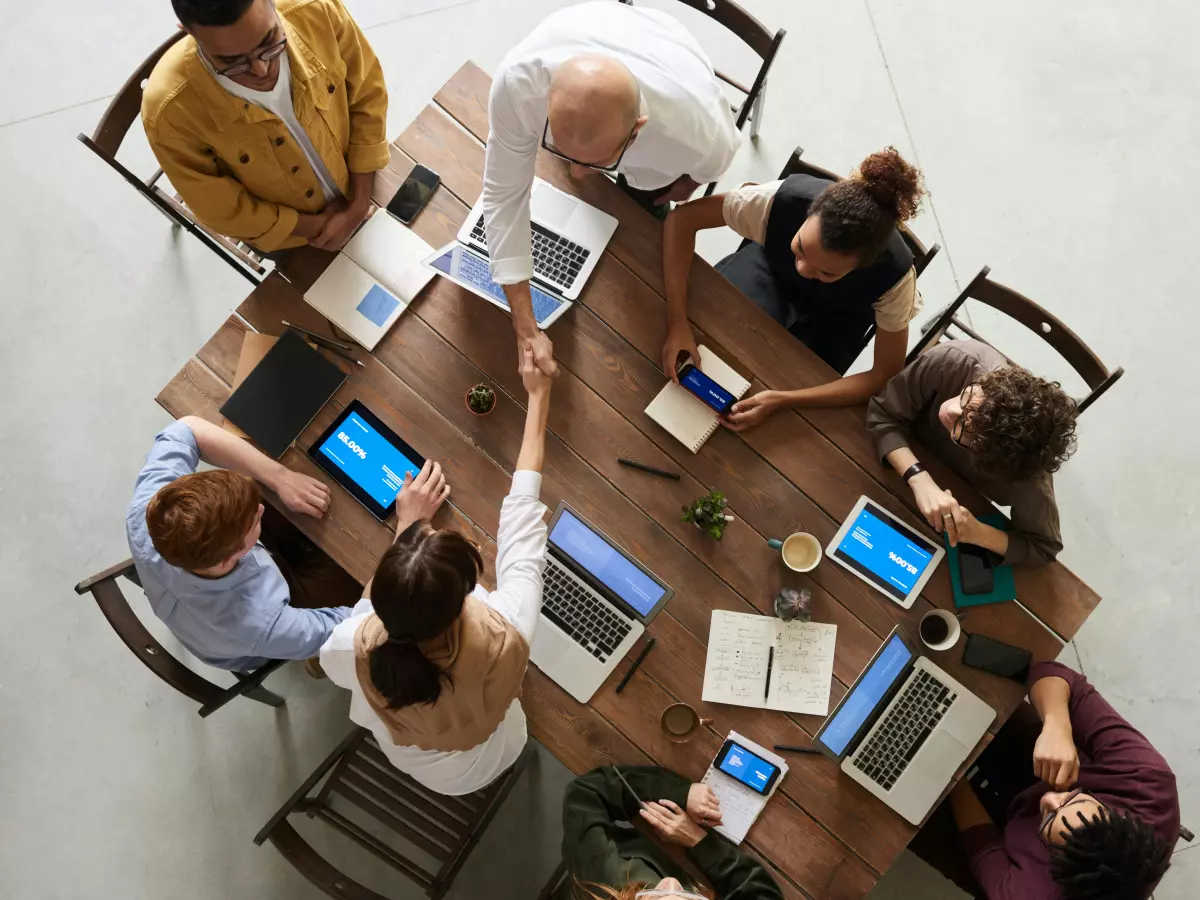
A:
{"x":422,"y":496}
{"x":302,"y":494}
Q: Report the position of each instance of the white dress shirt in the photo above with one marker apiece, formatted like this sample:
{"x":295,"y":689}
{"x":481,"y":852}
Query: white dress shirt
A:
{"x":520,"y":561}
{"x":690,"y":129}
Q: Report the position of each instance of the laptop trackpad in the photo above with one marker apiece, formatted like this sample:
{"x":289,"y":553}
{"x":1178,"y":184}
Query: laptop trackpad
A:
{"x":942,"y":755}
{"x":551,"y":208}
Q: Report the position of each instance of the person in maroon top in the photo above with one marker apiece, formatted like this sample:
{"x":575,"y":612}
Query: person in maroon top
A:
{"x":1100,"y":820}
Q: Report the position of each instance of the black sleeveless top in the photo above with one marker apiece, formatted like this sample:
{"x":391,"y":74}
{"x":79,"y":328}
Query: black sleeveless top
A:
{"x":834,"y":319}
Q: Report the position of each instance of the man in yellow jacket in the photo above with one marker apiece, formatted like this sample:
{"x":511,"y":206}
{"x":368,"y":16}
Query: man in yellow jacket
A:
{"x":270,"y":119}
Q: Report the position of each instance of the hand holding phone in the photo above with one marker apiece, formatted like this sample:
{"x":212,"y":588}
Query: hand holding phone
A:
{"x":746,"y":767}
{"x":707,"y":390}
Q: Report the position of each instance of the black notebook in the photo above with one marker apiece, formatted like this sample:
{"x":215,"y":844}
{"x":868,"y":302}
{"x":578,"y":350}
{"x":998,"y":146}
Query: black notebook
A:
{"x":282,"y":394}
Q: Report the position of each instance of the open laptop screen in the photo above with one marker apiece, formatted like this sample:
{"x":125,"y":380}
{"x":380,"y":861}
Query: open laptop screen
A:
{"x":591,"y":552}
{"x":864,"y":698}
{"x":473,"y":272}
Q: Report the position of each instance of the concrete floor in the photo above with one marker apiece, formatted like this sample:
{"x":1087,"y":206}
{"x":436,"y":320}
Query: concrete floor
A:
{"x":1058,"y":148}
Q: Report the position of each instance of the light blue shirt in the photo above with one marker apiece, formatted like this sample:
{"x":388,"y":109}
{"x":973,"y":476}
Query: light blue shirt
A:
{"x":238,"y":621}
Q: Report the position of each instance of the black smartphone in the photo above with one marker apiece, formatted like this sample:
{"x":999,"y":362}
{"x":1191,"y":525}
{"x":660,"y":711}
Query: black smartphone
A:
{"x":706,"y":389}
{"x":413,"y":194}
{"x":976,"y":569}
{"x":747,"y":767}
{"x":997,"y":657}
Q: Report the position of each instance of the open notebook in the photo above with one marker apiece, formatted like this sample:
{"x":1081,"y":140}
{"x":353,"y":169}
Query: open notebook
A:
{"x":372,"y":281}
{"x":688,"y":418}
{"x":741,"y":806}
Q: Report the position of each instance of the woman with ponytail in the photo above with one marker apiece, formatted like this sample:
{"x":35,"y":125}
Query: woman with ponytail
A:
{"x":824,"y":259}
{"x":432,"y":660}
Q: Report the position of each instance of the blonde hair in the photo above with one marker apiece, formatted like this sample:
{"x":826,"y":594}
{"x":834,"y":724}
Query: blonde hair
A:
{"x":592,"y":891}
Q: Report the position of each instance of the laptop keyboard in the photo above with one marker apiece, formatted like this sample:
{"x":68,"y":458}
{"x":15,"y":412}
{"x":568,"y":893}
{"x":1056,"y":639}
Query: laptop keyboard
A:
{"x":921,"y":706}
{"x":586,"y":619}
{"x":554,"y":257}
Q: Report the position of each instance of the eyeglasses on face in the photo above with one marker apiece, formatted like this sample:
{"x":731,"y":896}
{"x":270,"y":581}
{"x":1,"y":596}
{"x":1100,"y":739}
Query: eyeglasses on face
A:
{"x":263,"y":54}
{"x":550,"y":148}
{"x":1071,"y":799}
{"x":959,"y":431}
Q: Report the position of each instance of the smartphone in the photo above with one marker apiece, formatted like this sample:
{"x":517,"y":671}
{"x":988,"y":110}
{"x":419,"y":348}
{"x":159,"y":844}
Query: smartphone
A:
{"x":749,"y":768}
{"x":997,"y":657}
{"x":706,"y":389}
{"x":413,"y":194}
{"x":975,"y":569}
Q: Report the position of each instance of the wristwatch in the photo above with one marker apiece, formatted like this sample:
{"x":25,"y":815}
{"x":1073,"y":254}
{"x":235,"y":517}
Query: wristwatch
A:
{"x":915,"y":469}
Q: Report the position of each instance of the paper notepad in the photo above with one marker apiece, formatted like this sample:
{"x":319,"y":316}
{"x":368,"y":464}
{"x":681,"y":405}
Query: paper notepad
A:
{"x":687,"y":417}
{"x":801,"y":667}
{"x":740,"y":806}
{"x":372,"y":281}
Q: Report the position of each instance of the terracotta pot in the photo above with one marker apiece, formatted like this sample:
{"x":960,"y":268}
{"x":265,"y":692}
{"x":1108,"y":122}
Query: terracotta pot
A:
{"x":475,"y":412}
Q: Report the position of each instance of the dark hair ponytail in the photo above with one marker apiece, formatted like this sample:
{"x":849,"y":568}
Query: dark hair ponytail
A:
{"x":418,"y":592}
{"x":859,"y":213}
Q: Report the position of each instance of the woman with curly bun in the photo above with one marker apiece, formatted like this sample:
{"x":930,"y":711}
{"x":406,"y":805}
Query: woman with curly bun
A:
{"x":824,"y":259}
{"x":1000,"y":427}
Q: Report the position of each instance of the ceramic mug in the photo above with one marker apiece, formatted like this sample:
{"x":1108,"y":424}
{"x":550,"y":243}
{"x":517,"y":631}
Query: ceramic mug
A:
{"x":940,"y":629}
{"x":679,"y":720}
{"x":800,"y":551}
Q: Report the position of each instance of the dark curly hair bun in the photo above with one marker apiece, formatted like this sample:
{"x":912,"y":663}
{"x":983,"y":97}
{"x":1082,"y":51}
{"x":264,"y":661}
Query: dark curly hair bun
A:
{"x":892,"y":183}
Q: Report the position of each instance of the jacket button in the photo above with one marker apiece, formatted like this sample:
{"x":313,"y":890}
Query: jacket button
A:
{"x":278,"y":142}
{"x":295,"y":169}
{"x":243,"y":159}
{"x":245,"y":106}
{"x":308,"y":193}
{"x":332,"y":89}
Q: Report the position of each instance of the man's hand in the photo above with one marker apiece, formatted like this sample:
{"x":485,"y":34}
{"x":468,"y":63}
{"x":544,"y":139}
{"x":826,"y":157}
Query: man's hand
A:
{"x":703,"y":806}
{"x":680,"y":340}
{"x":543,"y":352}
{"x":302,"y":494}
{"x":672,"y":824}
{"x":537,"y":383}
{"x":683,"y":188}
{"x":340,"y":225}
{"x":962,"y":526}
{"x":1055,"y":759}
{"x":420,"y":497}
{"x":753,"y":410}
{"x":936,"y":505}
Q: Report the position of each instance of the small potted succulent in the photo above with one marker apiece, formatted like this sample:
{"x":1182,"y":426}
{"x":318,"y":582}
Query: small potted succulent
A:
{"x":481,"y":399}
{"x":708,"y":514}
{"x":794,"y":605}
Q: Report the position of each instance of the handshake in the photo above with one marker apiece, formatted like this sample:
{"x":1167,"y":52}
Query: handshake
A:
{"x":535,"y":362}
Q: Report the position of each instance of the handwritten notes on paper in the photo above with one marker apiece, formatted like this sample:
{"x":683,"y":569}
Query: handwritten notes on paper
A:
{"x":800,"y":671}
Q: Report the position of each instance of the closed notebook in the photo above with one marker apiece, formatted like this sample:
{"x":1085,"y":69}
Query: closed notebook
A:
{"x":689,"y":419}
{"x":371,"y":282}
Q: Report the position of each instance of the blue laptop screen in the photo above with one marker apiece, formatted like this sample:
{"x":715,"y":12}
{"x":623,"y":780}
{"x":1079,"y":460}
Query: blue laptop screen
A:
{"x":468,"y":269}
{"x":596,"y":555}
{"x":865,"y":696}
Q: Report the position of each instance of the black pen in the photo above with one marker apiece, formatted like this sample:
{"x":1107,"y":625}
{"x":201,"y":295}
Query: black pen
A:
{"x":637,"y":662}
{"x":770,"y":662}
{"x":342,"y":350}
{"x":633,"y":464}
{"x":788,"y":748}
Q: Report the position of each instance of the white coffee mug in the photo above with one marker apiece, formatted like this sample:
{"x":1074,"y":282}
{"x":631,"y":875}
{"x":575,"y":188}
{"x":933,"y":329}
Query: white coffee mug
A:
{"x":802,"y":544}
{"x":953,"y":629}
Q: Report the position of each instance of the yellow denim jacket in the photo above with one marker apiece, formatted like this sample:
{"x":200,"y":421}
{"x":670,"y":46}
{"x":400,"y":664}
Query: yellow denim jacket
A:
{"x":235,"y":164}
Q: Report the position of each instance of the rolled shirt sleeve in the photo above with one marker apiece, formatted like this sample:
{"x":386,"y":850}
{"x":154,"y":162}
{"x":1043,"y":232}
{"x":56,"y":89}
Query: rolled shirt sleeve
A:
{"x":521,"y":554}
{"x":507,"y":180}
{"x":899,"y":305}
{"x":299,"y":633}
{"x":747,"y":209}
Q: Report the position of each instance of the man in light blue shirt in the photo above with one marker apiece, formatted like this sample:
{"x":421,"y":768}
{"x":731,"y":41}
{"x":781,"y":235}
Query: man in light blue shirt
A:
{"x":195,"y":542}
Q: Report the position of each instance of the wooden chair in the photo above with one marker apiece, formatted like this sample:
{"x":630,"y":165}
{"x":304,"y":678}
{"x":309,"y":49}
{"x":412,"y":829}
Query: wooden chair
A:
{"x":438,"y":832}
{"x":552,"y":886}
{"x":108,"y":596}
{"x":758,"y":38}
{"x":122,"y":112}
{"x":1098,"y":377}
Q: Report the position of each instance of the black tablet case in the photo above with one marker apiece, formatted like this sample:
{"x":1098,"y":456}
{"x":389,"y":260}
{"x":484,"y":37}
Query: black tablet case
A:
{"x":282,"y":394}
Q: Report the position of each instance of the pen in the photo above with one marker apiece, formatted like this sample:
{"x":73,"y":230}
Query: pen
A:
{"x":633,"y":464}
{"x":788,"y":748}
{"x":329,"y":344}
{"x":770,"y":662}
{"x":637,"y":662}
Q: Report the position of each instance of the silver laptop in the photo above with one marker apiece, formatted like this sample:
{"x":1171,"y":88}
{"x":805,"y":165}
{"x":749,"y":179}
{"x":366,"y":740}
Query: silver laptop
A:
{"x":469,"y":269}
{"x":596,"y":604}
{"x":904,"y":728}
{"x":567,"y":237}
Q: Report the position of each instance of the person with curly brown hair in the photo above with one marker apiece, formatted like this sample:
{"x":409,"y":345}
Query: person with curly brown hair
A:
{"x":1000,"y":427}
{"x":824,"y":259}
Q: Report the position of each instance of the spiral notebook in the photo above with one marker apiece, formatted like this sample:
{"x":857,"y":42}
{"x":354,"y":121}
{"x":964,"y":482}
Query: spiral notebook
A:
{"x":689,"y":419}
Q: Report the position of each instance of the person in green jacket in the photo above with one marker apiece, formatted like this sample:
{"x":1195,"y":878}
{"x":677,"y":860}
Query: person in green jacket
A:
{"x":608,"y":859}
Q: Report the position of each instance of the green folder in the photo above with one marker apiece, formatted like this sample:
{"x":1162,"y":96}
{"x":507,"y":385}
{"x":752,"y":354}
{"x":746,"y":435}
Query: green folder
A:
{"x":1004,"y":586}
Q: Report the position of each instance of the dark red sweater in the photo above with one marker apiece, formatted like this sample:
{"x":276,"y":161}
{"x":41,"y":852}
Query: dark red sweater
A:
{"x":1116,"y":764}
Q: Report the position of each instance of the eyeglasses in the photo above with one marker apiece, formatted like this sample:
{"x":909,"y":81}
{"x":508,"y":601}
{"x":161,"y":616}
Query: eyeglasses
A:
{"x":550,"y":149}
{"x":656,"y":894}
{"x":1073,"y":797}
{"x":264,"y":54}
{"x":958,"y":431}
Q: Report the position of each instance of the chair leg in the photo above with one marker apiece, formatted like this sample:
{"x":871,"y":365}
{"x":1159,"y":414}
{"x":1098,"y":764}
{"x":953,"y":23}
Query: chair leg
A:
{"x":557,"y":878}
{"x":756,"y":111}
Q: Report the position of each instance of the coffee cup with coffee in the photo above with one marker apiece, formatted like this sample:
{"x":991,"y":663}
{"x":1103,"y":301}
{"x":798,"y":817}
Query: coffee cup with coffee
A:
{"x":940,"y":629}
{"x":679,"y":720}
{"x":800,"y":551}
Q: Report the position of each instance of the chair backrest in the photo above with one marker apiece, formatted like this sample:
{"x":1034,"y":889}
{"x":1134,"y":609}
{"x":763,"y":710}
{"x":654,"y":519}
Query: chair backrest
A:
{"x":373,"y":796}
{"x":126,"y":105}
{"x":1098,"y":377}
{"x":922,"y":257}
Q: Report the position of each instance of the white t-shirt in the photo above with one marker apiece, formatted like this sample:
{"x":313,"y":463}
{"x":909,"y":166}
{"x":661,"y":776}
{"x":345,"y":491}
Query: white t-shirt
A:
{"x":520,"y":561}
{"x":278,"y":101}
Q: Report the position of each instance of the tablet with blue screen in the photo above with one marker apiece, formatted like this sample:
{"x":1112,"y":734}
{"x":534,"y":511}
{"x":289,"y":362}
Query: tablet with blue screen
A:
{"x":884,"y":552}
{"x":366,"y":458}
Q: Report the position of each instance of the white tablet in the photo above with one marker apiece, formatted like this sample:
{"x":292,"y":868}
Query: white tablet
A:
{"x":884,"y":552}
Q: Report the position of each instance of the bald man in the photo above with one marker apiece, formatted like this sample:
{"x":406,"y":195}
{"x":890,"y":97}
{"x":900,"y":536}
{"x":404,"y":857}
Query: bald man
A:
{"x":609,"y":88}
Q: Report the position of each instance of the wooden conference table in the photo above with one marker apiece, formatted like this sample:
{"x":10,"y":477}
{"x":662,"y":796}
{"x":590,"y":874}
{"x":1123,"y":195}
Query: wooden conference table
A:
{"x":823,"y":835}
